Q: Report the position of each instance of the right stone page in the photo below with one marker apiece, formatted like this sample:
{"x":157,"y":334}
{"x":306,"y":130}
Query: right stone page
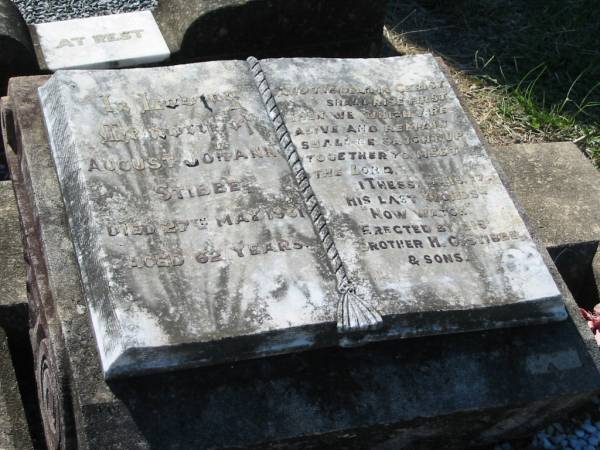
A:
{"x":427,"y":232}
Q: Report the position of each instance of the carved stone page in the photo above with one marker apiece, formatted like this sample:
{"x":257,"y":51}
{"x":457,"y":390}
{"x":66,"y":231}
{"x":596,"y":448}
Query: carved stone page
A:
{"x":427,"y":233}
{"x":193,"y":241}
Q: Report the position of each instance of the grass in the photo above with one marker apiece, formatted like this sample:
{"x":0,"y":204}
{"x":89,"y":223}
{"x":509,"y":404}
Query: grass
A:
{"x":530,"y":70}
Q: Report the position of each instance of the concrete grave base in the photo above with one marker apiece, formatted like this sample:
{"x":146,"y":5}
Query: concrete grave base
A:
{"x":560,"y":190}
{"x":458,"y":390}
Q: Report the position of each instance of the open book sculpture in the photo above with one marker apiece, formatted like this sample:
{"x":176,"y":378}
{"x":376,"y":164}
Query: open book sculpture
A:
{"x":237,"y":209}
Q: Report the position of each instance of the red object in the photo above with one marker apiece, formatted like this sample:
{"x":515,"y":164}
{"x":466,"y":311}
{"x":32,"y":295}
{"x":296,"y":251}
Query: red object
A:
{"x":593,"y":321}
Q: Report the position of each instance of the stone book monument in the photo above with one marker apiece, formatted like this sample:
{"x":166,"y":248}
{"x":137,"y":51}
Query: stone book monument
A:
{"x":231,"y":210}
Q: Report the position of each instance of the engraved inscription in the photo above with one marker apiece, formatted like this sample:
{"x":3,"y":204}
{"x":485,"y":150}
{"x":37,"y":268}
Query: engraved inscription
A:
{"x":412,"y":201}
{"x":117,"y":40}
{"x":100,"y":38}
{"x":210,"y":211}
{"x":187,"y":219}
{"x":390,"y":129}
{"x":215,"y":107}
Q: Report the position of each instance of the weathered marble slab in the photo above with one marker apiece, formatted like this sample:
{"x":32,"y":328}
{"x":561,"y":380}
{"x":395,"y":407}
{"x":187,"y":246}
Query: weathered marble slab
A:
{"x":416,"y":209}
{"x":118,"y":40}
{"x":200,"y":239}
{"x":193,"y":243}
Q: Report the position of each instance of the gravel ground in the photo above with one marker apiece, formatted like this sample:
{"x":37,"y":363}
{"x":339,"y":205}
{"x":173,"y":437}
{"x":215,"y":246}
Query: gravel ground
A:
{"x":39,"y":11}
{"x":580,"y":432}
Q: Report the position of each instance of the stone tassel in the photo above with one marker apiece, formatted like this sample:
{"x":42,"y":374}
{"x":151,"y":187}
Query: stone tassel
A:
{"x":353,"y":313}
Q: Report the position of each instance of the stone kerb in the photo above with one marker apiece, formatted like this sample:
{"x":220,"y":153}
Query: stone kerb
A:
{"x":560,"y":190}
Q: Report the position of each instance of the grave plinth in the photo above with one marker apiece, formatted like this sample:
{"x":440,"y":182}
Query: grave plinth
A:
{"x":440,"y":390}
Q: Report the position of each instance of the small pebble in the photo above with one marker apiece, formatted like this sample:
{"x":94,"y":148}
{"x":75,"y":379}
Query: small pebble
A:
{"x":589,"y":428}
{"x":573,"y":442}
{"x":547,"y":444}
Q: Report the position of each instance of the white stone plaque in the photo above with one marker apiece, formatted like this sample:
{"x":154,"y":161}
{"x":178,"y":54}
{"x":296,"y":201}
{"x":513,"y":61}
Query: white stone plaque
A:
{"x":119,"y":40}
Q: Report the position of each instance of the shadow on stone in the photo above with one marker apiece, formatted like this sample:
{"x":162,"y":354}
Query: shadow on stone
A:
{"x":16,"y":56}
{"x":434,"y":394}
{"x":272,"y":29}
{"x":22,"y":358}
{"x":16,"y":52}
{"x":575,"y":266}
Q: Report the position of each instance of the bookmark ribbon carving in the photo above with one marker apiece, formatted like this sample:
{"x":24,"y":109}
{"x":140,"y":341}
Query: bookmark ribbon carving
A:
{"x":353,"y":313}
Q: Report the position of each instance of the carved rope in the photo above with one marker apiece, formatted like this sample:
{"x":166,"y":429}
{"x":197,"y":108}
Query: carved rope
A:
{"x":353,"y":313}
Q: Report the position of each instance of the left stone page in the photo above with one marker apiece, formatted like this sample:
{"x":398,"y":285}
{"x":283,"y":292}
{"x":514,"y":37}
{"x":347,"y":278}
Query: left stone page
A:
{"x":193,"y":242}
